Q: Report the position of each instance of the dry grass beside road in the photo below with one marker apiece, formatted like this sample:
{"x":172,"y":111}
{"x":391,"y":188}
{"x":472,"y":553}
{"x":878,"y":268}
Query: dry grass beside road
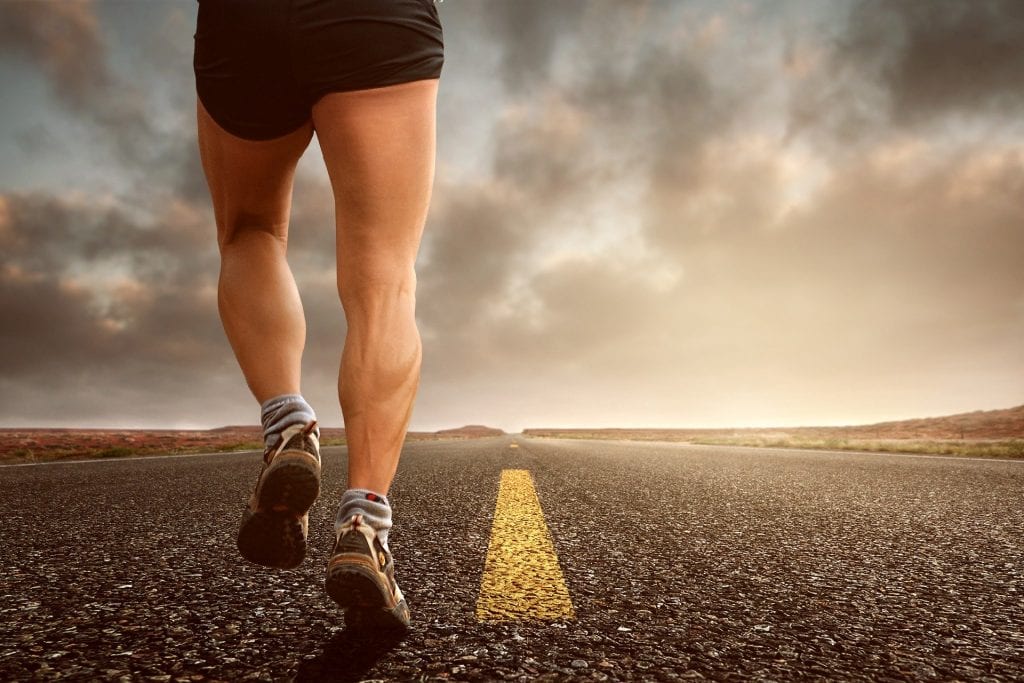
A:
{"x":982,"y":448}
{"x":48,"y":445}
{"x":982,"y":433}
{"x":1006,"y":448}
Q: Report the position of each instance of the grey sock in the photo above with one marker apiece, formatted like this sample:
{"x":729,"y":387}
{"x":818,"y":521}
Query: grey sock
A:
{"x":375,"y":508}
{"x":281,"y":412}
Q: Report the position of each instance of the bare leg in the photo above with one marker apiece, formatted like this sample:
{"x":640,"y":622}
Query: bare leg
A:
{"x":251,"y":187}
{"x":379,"y":147}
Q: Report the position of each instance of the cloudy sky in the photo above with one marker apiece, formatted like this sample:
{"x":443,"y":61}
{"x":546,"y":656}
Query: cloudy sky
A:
{"x":660,"y":214}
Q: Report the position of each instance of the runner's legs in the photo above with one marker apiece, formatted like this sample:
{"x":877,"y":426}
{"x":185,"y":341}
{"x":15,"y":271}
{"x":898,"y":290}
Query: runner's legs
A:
{"x":251,"y":187}
{"x":379,"y":147}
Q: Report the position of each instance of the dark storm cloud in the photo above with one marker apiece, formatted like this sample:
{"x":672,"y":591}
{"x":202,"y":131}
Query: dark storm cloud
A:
{"x":912,"y":63}
{"x":107,"y":300}
{"x":34,"y":306}
{"x":65,"y":41}
{"x":480,"y":237}
{"x":965,"y":57}
{"x":91,"y":288}
{"x":53,"y":234}
{"x":681,"y":113}
{"x":546,"y":153}
{"x":721,"y":198}
{"x":589,"y":307}
{"x":627,"y":108}
{"x":528,"y":32}
{"x":955,"y":255}
{"x":114,"y":296}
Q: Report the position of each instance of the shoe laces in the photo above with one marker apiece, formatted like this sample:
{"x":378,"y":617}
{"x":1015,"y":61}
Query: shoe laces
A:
{"x":352,"y":521}
{"x":309,"y":430}
{"x":355,"y":522}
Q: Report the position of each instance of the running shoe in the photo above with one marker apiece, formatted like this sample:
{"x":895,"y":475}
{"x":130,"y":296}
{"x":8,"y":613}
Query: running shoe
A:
{"x":361,"y":579}
{"x":276,"y":522}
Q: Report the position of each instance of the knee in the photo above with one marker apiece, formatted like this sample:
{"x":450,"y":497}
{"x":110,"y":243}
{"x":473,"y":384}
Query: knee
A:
{"x":367,"y":287}
{"x":245,"y":230}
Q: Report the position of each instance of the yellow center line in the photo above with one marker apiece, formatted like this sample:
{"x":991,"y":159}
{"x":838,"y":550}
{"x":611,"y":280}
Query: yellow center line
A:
{"x":522,"y":578}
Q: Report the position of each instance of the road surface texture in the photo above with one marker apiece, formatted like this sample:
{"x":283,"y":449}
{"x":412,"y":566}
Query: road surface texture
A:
{"x":681,"y":562}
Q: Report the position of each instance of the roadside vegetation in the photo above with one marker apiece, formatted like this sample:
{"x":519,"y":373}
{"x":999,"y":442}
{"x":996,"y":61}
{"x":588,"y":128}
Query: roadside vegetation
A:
{"x":1009,"y":448}
{"x":56,"y":444}
{"x":27,"y":455}
{"x":975,"y":448}
{"x":978,"y":434}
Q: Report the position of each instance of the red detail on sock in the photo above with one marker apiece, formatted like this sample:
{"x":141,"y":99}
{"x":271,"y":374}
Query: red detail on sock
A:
{"x":372,"y":496}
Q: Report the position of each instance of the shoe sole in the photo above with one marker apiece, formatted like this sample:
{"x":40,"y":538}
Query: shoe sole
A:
{"x":364,"y":594}
{"x":273,"y":534}
{"x":377,"y":621}
{"x":272,"y":539}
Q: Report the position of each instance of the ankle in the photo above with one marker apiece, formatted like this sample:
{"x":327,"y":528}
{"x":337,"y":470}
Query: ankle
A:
{"x":374,"y":507}
{"x":280,"y":412}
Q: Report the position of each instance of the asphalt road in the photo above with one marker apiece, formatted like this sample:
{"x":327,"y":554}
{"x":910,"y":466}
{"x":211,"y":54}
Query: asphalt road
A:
{"x":680,"y":561}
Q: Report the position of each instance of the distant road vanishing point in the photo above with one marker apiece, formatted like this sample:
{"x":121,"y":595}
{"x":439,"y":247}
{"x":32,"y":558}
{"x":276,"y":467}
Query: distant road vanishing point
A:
{"x":525,"y":558}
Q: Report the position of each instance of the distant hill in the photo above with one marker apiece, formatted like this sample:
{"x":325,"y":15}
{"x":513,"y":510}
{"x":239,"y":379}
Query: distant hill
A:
{"x":979,"y":424}
{"x":1007,"y":423}
{"x":470,"y":431}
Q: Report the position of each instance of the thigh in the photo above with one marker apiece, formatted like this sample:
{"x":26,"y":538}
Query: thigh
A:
{"x":250,"y":181}
{"x":379,"y":146}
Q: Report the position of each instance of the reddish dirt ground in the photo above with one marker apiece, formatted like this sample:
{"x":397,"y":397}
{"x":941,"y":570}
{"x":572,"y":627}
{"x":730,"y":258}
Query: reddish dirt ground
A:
{"x":27,"y":445}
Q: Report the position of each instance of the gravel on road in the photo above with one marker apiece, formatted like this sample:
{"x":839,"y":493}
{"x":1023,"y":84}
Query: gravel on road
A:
{"x":682,"y":562}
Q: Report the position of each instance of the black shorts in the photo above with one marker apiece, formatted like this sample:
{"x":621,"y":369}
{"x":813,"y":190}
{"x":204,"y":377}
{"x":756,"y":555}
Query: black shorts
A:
{"x":260,"y":65}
